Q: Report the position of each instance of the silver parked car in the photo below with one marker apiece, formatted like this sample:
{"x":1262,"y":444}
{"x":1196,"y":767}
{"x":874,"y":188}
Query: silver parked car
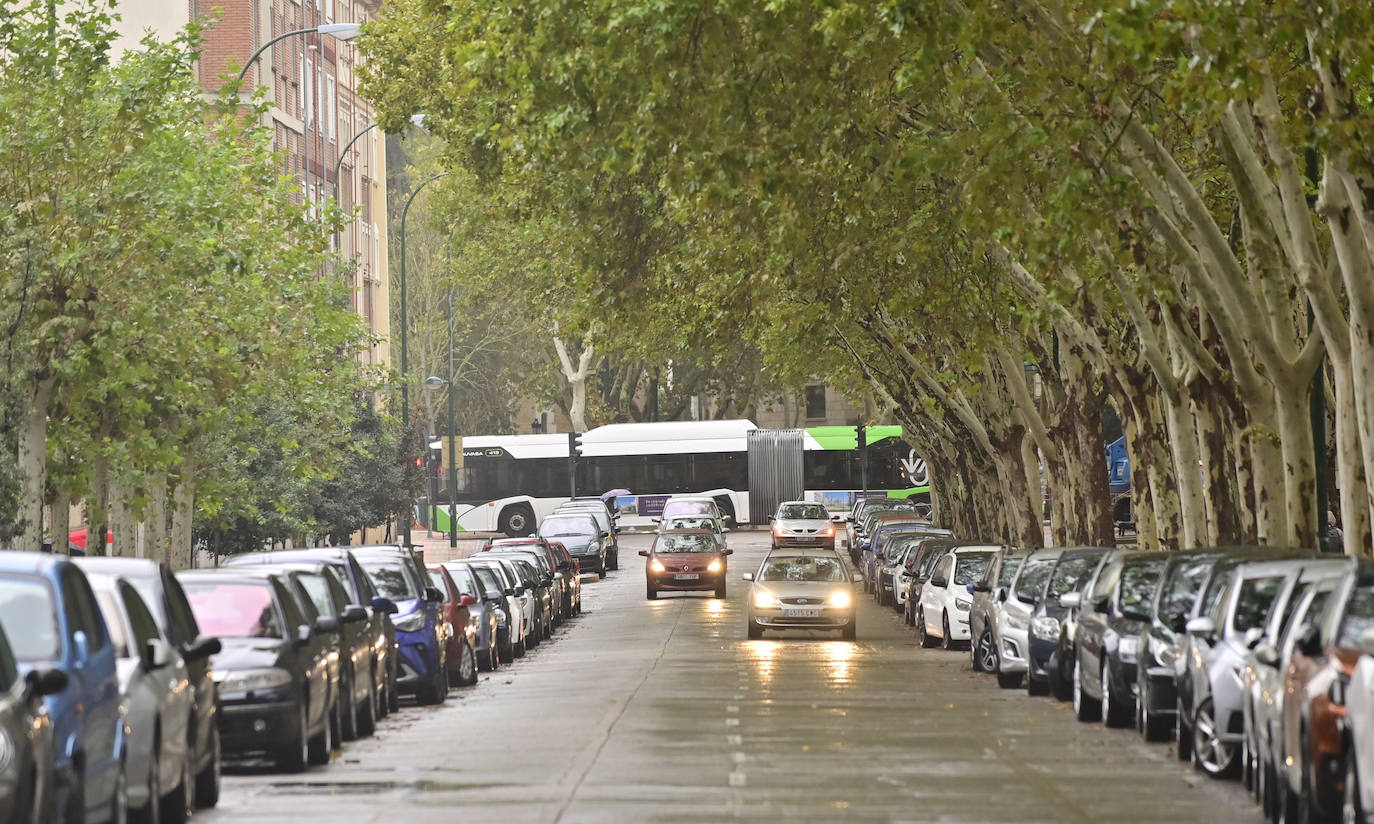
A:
{"x":155,"y":686}
{"x":1013,"y":619}
{"x":988,"y":596}
{"x":28,"y":781}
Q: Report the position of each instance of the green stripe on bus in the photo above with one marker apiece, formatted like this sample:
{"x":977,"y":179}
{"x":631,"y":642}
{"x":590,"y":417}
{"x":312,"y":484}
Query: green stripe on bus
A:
{"x":441,"y":520}
{"x":844,"y":437}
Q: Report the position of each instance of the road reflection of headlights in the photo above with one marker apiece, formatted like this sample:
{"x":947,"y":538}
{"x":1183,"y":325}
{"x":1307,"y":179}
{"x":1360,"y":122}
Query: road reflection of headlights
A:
{"x":1045,"y":627}
{"x":840,"y":599}
{"x":714,"y":566}
{"x":763,"y":599}
{"x":1127,"y":648}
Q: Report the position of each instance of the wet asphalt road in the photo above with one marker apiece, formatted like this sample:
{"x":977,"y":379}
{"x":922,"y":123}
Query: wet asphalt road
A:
{"x":644,"y":711}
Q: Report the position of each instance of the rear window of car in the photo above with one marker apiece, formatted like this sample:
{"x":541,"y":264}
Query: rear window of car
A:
{"x":1254,"y":601}
{"x":1068,"y":575}
{"x":573,"y":525}
{"x":1359,"y":616}
{"x":970,"y":569}
{"x":391,"y":581}
{"x":803,"y":512}
{"x":28,"y":602}
{"x":238,"y":610}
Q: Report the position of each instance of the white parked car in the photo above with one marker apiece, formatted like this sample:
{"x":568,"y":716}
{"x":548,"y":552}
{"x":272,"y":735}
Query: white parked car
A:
{"x":943,"y":605}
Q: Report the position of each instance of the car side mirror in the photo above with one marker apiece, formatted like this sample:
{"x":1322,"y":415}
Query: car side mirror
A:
{"x":202,"y":647}
{"x":353,"y":614}
{"x":546,"y":582}
{"x":81,"y":648}
{"x":748,"y":576}
{"x":466,"y":601}
{"x":1134,"y":615}
{"x":39,"y":683}
{"x":384,"y":605}
{"x":835,"y":518}
{"x":1071,"y":600}
{"x":1252,"y":636}
{"x":155,"y":654}
{"x":1001,"y":596}
{"x":1267,"y":654}
{"x":849,"y":520}
{"x":727,"y":551}
{"x":327,"y":623}
{"x":514,"y":590}
{"x":724,"y":530}
{"x":970,"y":588}
{"x":1201,"y":626}
{"x":433,"y":595}
{"x":303,"y":635}
{"x":1103,"y":606}
{"x":644,"y":553}
{"x":558,"y":576}
{"x":856,"y":578}
{"x":605,"y":535}
{"x":979,"y":588}
{"x":656,"y":520}
{"x":1177,"y":623}
{"x":770,"y":519}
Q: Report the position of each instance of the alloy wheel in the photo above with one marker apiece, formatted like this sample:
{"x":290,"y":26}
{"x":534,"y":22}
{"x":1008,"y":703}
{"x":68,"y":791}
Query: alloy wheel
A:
{"x":1213,"y":755}
{"x":987,"y":653}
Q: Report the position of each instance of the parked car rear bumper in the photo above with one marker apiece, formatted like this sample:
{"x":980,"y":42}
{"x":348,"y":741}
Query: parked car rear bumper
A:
{"x":258,"y":727}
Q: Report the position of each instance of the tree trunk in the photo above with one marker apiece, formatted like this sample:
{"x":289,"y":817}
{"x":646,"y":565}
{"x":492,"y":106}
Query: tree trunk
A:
{"x":1244,"y":462}
{"x":1351,"y":479}
{"x":1183,"y":443}
{"x":1221,"y":507}
{"x":155,"y":519}
{"x":1142,"y":501}
{"x":1299,"y":465}
{"x":61,"y":522}
{"x":33,"y":463}
{"x":123,"y":518}
{"x":183,"y":513}
{"x":98,"y":508}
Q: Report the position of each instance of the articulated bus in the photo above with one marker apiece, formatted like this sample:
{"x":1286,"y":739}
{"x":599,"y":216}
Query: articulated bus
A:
{"x":508,"y":483}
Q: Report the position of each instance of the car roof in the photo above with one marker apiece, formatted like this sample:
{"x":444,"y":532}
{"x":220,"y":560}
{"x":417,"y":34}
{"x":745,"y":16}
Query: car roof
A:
{"x":289,"y":555}
{"x":975,"y":548}
{"x":225,"y":574}
{"x":800,"y":552}
{"x":687,"y":532}
{"x":35,"y":563}
{"x":691,"y":498}
{"x":118,"y":566}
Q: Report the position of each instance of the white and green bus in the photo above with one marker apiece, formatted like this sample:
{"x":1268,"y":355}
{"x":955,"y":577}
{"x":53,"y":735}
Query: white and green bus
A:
{"x":508,"y":483}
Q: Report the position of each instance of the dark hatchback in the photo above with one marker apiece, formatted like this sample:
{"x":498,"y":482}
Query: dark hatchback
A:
{"x":273,"y":670}
{"x":502,"y":585}
{"x":1048,"y":670}
{"x":421,"y":636}
{"x":685,"y":560}
{"x":159,"y":589}
{"x":1108,"y":636}
{"x":581,"y":535}
{"x":530,"y":572}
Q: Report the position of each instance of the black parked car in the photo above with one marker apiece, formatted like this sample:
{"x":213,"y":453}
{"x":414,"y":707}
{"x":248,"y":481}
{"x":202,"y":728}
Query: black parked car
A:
{"x":1107,"y":638}
{"x":380,"y":631}
{"x":1049,"y":670}
{"x":273,"y":670}
{"x":501,"y":583}
{"x":163,"y":595}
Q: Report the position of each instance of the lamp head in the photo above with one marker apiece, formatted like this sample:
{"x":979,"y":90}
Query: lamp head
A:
{"x":434,"y":382}
{"x":341,"y":31}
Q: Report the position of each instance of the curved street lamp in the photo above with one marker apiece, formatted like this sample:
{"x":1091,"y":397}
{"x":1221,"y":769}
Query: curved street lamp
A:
{"x":339,"y":31}
{"x":417,"y":119}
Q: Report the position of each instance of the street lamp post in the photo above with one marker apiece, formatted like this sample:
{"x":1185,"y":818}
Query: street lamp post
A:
{"x":339,"y":31}
{"x":417,"y":119}
{"x":405,"y":357}
{"x":452,"y":463}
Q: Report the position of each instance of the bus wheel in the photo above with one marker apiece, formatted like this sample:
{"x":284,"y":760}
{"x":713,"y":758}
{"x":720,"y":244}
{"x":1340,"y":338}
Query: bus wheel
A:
{"x":517,"y":521}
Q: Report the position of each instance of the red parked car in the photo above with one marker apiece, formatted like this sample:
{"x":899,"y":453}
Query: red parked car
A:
{"x":685,"y":560}
{"x":462,"y":640}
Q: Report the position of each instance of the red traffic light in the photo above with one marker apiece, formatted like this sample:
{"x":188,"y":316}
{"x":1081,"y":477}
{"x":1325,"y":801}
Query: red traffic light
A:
{"x":420,"y":462}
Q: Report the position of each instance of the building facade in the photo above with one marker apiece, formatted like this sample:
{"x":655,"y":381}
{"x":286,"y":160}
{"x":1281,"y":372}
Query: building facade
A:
{"x":309,"y":83}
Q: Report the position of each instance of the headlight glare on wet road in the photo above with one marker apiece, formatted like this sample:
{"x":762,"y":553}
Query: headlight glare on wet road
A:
{"x":840,"y":599}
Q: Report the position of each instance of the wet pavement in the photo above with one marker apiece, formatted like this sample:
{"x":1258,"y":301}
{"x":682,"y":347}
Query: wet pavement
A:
{"x":645,"y":711}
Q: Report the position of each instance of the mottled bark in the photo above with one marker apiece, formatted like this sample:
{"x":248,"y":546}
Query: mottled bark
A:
{"x":183,"y":511}
{"x":155,"y":519}
{"x":123,"y":518}
{"x":33,"y":463}
{"x":1220,"y":504}
{"x":61,"y":521}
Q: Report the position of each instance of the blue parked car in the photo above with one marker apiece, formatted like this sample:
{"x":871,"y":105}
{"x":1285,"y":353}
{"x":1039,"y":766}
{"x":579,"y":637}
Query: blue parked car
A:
{"x":49,"y":597}
{"x":421,"y":631}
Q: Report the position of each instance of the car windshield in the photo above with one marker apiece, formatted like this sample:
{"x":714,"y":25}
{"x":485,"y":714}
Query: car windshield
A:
{"x":1138,"y":586}
{"x":463,"y":578}
{"x":489,"y":580}
{"x":318,"y":590}
{"x":970,"y":569}
{"x":554,"y":527}
{"x":692,"y":542}
{"x":802,"y":568}
{"x":1031,"y":584}
{"x":28,"y":603}
{"x":391,"y":581}
{"x":686,"y":508}
{"x":238,"y":610}
{"x":1359,"y":615}
{"x":690,"y":522}
{"x":803,"y":512}
{"x":1007,"y":572}
{"x":436,"y":580}
{"x":1181,"y":588}
{"x":1069,"y":573}
{"x":1254,"y":602}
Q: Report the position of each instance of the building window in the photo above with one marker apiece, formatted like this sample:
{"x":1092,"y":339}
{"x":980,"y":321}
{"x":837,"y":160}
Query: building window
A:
{"x":815,"y":401}
{"x":330,"y":98}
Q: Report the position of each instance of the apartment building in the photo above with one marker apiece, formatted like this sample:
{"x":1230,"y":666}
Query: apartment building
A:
{"x":314,"y":111}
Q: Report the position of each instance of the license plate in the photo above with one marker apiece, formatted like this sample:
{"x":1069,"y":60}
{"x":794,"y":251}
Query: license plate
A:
{"x":802,"y":613}
{"x":687,"y":576}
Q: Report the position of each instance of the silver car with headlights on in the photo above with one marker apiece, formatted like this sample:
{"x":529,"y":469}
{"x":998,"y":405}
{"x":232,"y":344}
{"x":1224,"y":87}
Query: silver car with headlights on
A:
{"x":802,"y":589}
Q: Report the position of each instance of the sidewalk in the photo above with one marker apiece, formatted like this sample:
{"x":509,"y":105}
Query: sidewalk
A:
{"x":437,"y":550}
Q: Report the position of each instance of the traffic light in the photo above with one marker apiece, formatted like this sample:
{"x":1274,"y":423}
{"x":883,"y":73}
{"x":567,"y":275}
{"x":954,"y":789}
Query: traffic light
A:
{"x":574,"y":452}
{"x":575,"y":443}
{"x":436,"y":455}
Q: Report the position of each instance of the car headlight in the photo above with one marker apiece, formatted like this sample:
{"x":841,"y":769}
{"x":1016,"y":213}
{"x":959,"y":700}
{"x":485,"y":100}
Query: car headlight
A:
{"x":501,"y":617}
{"x":1164,"y":655}
{"x":413,"y":622}
{"x":763,"y":599}
{"x":1046,"y":628}
{"x":714,"y":566}
{"x":1127,"y":648}
{"x":1014,"y":621}
{"x":252,"y":680}
{"x":840,"y":599}
{"x":656,"y":565}
{"x":828,"y":531}
{"x":960,"y":603}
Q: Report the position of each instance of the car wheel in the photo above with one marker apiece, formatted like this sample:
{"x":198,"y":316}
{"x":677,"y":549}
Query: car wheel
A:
{"x":650,"y":592}
{"x":151,"y":811}
{"x":76,"y":793}
{"x":367,"y":714}
{"x":1210,"y":754}
{"x":927,"y":640}
{"x":348,"y":717}
{"x":1038,"y":686}
{"x":985,"y":654}
{"x":1008,"y":680}
{"x":1183,"y":735}
{"x":293,"y":757}
{"x":207,"y":782}
{"x":506,"y":651}
{"x":466,"y":675}
{"x":850,"y":631}
{"x":1085,"y":709}
{"x":182,"y":801}
{"x":1115,"y":713}
{"x":516,"y":521}
{"x":320,"y":746}
{"x":755,"y":629}
{"x":1056,"y":685}
{"x":946,"y":638}
{"x":393,"y":697}
{"x":119,"y":801}
{"x":601,"y":573}
{"x":519,"y":648}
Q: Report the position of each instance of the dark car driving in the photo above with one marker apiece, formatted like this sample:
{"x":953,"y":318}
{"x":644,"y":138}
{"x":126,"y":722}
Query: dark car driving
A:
{"x":686,"y":560}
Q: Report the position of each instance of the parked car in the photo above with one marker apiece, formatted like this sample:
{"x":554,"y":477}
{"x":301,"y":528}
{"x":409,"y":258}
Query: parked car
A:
{"x":605,"y":520}
{"x":573,"y":605}
{"x":1049,"y":671}
{"x":488,"y":614}
{"x":920,"y":563}
{"x":867,"y":510}
{"x":28,"y":777}
{"x":462,"y":621}
{"x":685,"y":561}
{"x":883,"y":528}
{"x":1013,"y":628}
{"x":364,"y":593}
{"x":948,"y":594}
{"x":802,"y":589}
{"x":556,"y":569}
{"x":50,"y":598}
{"x":1320,"y":665}
{"x":530,"y":568}
{"x":159,"y":769}
{"x":164,"y":597}
{"x":521,"y":604}
{"x":584,"y":539}
{"x":1107,"y":638}
{"x":421,"y":637}
{"x":988,"y":596}
{"x":899,"y":550}
{"x":802,"y":523}
{"x":273,"y":670}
